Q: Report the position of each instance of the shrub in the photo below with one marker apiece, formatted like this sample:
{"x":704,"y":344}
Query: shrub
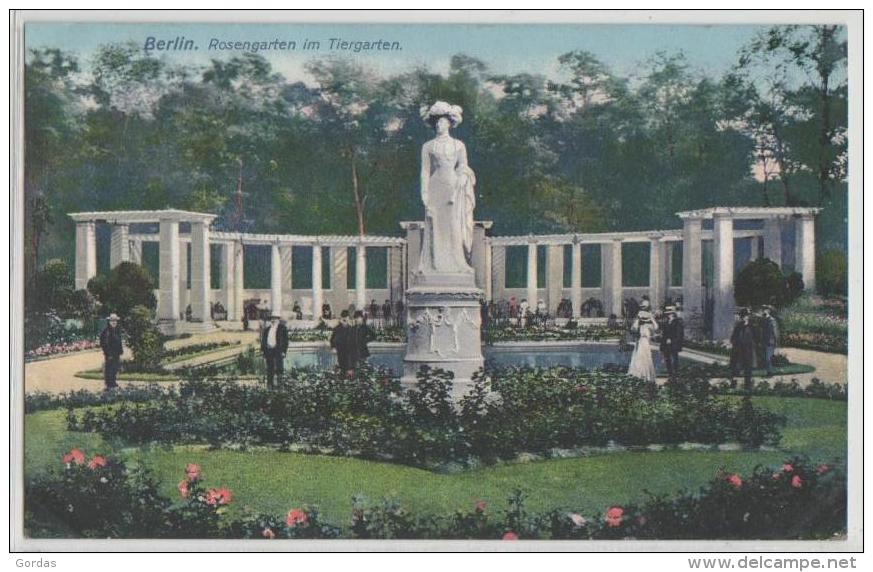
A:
{"x":51,"y":290}
{"x":761,"y":283}
{"x":832,"y":273}
{"x":144,"y":339}
{"x":126,"y":286}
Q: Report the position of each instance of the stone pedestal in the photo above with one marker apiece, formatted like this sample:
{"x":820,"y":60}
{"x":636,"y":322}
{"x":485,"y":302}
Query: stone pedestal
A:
{"x":444,"y":332}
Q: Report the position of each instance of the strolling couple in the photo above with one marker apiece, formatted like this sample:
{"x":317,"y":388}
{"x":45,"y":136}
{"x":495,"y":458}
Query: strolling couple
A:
{"x":350,"y":338}
{"x":672,"y":337}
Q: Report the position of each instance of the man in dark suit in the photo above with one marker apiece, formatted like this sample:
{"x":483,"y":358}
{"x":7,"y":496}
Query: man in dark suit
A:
{"x":274,"y":345}
{"x":342,"y":339}
{"x":364,"y":334}
{"x":112,"y":346}
{"x":743,"y":344}
{"x":672,"y":338}
{"x":769,"y":337}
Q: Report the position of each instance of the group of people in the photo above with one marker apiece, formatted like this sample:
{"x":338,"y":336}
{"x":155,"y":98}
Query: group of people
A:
{"x":672,"y":337}
{"x":747,"y":338}
{"x":349,"y":339}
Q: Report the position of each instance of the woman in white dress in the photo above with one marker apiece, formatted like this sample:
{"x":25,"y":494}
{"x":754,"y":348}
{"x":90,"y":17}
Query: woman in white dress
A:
{"x":641,"y":364}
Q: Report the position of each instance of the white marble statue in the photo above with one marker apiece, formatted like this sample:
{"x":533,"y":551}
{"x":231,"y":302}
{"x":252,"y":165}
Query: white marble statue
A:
{"x":447,"y":191}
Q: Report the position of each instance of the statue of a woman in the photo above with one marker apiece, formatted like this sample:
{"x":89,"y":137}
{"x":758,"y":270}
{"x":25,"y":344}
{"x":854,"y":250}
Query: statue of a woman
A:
{"x":447,"y":191}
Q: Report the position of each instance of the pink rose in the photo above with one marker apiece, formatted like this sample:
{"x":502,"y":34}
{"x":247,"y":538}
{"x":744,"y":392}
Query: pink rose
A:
{"x":614,"y":516}
{"x":192,"y":471}
{"x":268,"y":533}
{"x":510,"y":536}
{"x":183,"y":489}
{"x":296,"y":517}
{"x":797,"y":482}
{"x":97,"y":461}
{"x":74,"y":456}
{"x":481,"y":506}
{"x":220,"y":496}
{"x":577,"y":519}
{"x":787,"y":468}
{"x":822,"y":469}
{"x":735,"y":481}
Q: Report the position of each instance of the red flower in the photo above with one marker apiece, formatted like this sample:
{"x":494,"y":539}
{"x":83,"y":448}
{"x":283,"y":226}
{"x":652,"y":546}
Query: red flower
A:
{"x":296,"y":517}
{"x":822,"y":469}
{"x":735,"y":480}
{"x":97,"y":461}
{"x":614,"y":516}
{"x":787,"y":467}
{"x":220,"y":496}
{"x":268,"y":533}
{"x":75,"y":456}
{"x":192,"y":471}
{"x":183,"y":489}
{"x":797,"y":482}
{"x":481,"y":506}
{"x":510,"y":536}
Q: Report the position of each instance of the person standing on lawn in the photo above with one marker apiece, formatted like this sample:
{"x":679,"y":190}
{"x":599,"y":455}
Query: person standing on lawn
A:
{"x":743,"y":347}
{"x":364,"y":334}
{"x":113,"y":347}
{"x":342,"y":339}
{"x":769,"y":338}
{"x":274,"y":345}
{"x":671,"y":340}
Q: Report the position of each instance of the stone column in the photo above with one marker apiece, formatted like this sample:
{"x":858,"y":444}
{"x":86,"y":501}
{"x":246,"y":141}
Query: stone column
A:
{"x":168,"y":295}
{"x":804,"y":249}
{"x":316,"y":282}
{"x":413,"y":250}
{"x":119,"y":247}
{"x":576,"y":279}
{"x":239,"y":255}
{"x":227,"y":281}
{"x":666,"y":267}
{"x":395,"y":276}
{"x":554,"y":276}
{"x":360,"y":277}
{"x":498,"y":272}
{"x":478,"y":255}
{"x":692,"y":297}
{"x":286,"y":256}
{"x":275,"y":280}
{"x":339,"y":261}
{"x":86,"y":253}
{"x":612,"y":277}
{"x":183,"y":276}
{"x":201,"y":279}
{"x":532,"y":275}
{"x":656,"y":294}
{"x":135,"y":250}
{"x":723,"y":279}
{"x":488,"y":273}
{"x":772,"y":240}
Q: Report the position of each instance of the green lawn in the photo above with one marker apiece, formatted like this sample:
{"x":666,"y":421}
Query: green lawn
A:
{"x":275,"y":482}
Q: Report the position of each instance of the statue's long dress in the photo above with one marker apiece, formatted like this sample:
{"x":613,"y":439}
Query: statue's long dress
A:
{"x":444,"y":168}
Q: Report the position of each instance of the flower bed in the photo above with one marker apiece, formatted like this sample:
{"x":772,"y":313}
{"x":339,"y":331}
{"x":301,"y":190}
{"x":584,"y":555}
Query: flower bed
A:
{"x":49,"y":350}
{"x":538,"y":334}
{"x":373,"y":416}
{"x":816,"y":323}
{"x":100,"y":498}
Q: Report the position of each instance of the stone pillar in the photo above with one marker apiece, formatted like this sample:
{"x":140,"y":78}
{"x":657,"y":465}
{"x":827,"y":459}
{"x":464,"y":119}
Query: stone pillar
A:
{"x":414,"y":232}
{"x":395,"y":276}
{"x":316,"y":282}
{"x":239,"y":255}
{"x":86,"y":253}
{"x":339,"y":262}
{"x":227,"y":281}
{"x":656,"y":294}
{"x":488,"y":273}
{"x":168,"y":281}
{"x":723,"y":279}
{"x":183,"y":276}
{"x":666,"y":267}
{"x":135,"y":250}
{"x":576,"y":279}
{"x":772,"y":240}
{"x":498,"y":272}
{"x":692,"y":296}
{"x":360,"y":277}
{"x":611,"y":277}
{"x":286,"y":256}
{"x":554,"y":276}
{"x":275,"y":280}
{"x":201,"y":279}
{"x":532,"y":275}
{"x":119,"y":247}
{"x":478,"y":255}
{"x":804,"y":249}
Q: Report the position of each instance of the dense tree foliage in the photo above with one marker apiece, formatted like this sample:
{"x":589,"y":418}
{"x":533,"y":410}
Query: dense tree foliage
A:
{"x":584,"y":150}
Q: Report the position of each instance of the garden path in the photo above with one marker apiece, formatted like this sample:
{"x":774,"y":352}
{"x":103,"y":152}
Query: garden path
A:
{"x":829,"y":367}
{"x":58,"y":375}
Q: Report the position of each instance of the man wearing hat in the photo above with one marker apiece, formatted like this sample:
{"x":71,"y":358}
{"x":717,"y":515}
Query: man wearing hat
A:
{"x":344,"y":341}
{"x":743,"y":348}
{"x":769,"y":337}
{"x":672,"y":337}
{"x":274,"y":345}
{"x":112,"y":346}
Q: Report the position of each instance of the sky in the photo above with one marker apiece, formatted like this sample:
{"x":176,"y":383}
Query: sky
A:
{"x":505,"y":48}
